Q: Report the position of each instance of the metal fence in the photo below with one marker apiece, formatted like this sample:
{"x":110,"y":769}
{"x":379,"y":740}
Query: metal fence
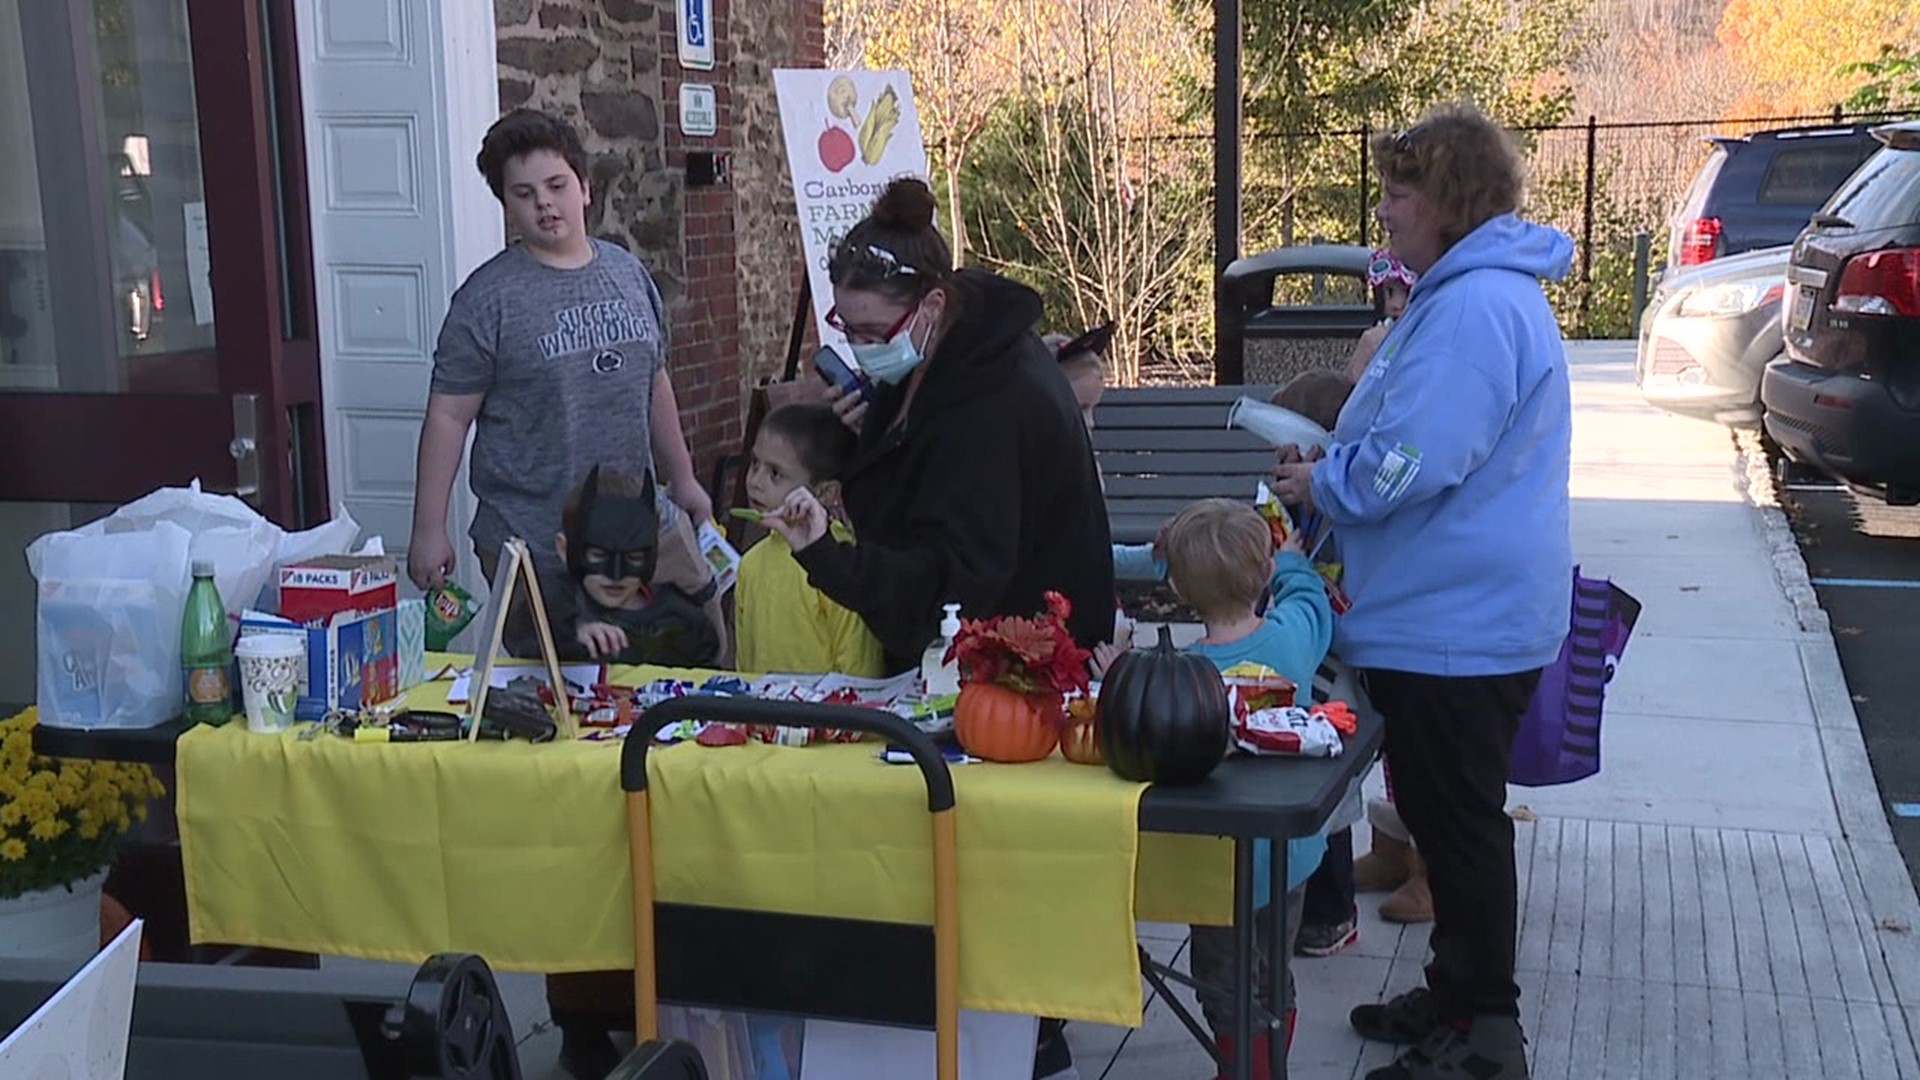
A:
{"x":1605,"y":184}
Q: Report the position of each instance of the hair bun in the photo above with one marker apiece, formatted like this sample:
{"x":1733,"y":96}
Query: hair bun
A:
{"x":906,"y":206}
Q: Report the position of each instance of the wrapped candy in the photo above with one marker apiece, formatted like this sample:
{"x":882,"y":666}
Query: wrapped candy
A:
{"x":1287,"y":731}
{"x":1279,"y":521}
{"x":1252,"y":687}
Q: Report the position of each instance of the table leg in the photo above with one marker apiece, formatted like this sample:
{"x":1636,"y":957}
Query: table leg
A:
{"x":1277,"y":963}
{"x":1243,"y":958}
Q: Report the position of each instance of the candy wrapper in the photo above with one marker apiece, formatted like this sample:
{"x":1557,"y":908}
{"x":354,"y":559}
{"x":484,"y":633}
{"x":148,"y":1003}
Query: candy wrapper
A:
{"x":1290,"y":731}
{"x":1279,"y":521}
{"x":1337,"y":597}
{"x":449,"y":609}
{"x":1252,"y":687}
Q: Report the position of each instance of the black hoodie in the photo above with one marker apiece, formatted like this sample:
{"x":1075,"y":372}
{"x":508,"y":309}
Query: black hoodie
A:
{"x":987,"y":496}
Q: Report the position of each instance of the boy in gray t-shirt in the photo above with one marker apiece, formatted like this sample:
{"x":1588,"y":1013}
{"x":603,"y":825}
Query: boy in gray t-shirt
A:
{"x":555,"y":353}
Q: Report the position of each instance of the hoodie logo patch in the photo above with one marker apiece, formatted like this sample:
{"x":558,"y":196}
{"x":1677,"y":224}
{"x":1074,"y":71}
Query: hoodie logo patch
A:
{"x":1397,"y":470}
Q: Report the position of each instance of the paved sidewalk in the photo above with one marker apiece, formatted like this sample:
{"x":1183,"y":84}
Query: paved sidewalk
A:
{"x":1724,"y":899}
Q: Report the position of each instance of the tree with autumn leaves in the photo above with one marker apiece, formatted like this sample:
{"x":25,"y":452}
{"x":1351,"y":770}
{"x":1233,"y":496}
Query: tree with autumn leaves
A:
{"x":1071,"y":141}
{"x":1808,"y":56}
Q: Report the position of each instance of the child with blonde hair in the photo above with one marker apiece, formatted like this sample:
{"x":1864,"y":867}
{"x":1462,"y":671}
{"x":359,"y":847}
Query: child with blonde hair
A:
{"x":1221,"y":561}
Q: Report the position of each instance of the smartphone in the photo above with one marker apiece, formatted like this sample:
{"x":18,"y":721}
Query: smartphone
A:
{"x":840,"y":374}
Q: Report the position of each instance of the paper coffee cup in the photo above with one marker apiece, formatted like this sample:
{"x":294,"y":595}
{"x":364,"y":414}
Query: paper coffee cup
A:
{"x":270,"y":679}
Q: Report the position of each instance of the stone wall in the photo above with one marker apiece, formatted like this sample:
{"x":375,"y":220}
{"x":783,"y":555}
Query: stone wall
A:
{"x":726,"y":257}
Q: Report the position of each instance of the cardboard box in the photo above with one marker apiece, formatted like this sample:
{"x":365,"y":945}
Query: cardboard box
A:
{"x":314,"y":591}
{"x":411,"y":620}
{"x":352,"y":662}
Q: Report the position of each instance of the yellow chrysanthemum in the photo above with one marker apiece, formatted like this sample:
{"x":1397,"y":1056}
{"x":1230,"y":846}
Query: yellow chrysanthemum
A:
{"x":13,"y":850}
{"x":50,"y":829}
{"x":12,"y":814}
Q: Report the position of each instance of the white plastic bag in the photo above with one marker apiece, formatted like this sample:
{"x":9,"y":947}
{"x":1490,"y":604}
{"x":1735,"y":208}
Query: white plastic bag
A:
{"x":226,"y":532}
{"x":108,"y":625}
{"x":1277,"y":425}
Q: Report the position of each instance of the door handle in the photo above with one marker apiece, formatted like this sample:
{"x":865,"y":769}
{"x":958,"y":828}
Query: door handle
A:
{"x":245,"y":447}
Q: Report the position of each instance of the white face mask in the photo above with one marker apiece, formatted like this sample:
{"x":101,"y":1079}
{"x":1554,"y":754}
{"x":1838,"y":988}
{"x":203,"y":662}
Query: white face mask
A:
{"x":890,"y":361}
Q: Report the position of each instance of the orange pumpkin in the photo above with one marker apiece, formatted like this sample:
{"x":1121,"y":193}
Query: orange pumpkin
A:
{"x":1080,"y":744}
{"x":1001,"y":724}
{"x":1080,"y":740}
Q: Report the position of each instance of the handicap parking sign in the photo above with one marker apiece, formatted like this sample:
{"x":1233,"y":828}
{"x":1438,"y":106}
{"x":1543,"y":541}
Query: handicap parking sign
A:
{"x":696,"y":34}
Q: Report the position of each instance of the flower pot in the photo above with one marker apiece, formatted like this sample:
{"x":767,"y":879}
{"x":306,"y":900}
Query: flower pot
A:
{"x":1001,"y":724}
{"x":61,"y":923}
{"x":1080,"y":744}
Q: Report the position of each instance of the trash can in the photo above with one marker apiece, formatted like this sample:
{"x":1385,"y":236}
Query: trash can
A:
{"x":1291,"y":310}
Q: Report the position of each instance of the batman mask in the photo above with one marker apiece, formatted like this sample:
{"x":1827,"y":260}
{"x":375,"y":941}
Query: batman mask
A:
{"x":616,"y":536}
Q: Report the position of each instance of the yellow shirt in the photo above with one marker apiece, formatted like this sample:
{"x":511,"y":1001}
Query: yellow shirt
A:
{"x":781,"y":623}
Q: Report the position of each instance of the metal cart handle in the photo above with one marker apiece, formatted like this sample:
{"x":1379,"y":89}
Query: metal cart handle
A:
{"x":740,"y":710}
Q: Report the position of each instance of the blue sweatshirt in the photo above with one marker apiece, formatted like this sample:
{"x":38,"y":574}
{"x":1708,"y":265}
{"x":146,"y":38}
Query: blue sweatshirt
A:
{"x":1447,"y":476}
{"x":1292,"y":639}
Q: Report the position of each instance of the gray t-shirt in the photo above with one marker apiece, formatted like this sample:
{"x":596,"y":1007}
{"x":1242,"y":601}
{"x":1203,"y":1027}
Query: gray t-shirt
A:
{"x":566,"y":360}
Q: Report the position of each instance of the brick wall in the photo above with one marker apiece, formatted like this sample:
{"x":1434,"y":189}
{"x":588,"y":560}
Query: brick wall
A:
{"x":726,"y":257}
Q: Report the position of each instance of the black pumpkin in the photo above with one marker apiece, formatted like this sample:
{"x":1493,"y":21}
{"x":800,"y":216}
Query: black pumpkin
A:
{"x":1163,"y":715}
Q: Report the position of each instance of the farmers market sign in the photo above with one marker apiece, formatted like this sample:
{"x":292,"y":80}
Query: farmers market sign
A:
{"x":847,"y":133}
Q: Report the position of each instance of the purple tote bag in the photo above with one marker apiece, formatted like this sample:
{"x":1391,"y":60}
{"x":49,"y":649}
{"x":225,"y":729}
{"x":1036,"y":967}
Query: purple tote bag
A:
{"x":1559,"y":739}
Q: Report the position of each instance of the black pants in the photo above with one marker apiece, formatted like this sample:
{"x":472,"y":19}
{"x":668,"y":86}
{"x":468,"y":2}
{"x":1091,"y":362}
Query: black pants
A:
{"x":1450,"y":745}
{"x":1330,"y":889}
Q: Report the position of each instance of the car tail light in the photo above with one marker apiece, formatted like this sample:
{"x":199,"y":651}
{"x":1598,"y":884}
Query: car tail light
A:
{"x":1701,"y":242}
{"x":1881,"y":283}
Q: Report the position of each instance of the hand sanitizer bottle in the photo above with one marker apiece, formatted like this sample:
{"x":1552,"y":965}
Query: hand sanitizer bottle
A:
{"x":940,"y":676}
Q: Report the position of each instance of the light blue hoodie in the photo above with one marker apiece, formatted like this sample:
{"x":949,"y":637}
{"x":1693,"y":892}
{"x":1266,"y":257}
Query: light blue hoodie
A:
{"x":1447,"y":477}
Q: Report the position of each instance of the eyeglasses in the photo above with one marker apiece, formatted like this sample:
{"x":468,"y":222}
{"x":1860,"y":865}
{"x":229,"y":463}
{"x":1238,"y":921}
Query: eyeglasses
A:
{"x":864,"y":333}
{"x":879,"y":262}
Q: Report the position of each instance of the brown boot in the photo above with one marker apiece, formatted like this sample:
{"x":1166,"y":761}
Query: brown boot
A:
{"x":1413,"y":901}
{"x":1384,"y":867}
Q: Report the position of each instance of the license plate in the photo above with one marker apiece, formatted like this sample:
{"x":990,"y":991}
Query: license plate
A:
{"x":1803,"y":300}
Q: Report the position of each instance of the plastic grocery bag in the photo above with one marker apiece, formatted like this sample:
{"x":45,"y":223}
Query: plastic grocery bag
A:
{"x":226,"y":532}
{"x":108,"y":624}
{"x":1278,"y":426}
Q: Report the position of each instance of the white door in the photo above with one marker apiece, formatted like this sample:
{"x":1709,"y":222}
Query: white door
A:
{"x":396,"y":95}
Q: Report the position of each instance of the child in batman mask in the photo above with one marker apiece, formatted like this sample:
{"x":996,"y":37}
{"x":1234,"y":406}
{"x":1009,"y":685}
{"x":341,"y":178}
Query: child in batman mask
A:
{"x":610,"y":543}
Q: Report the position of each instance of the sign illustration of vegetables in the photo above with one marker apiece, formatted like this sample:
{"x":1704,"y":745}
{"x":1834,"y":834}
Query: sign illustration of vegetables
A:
{"x":837,"y":146}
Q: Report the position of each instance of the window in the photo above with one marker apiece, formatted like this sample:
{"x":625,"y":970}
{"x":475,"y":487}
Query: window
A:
{"x":103,"y":225}
{"x":1807,"y":175}
{"x":1884,"y":193}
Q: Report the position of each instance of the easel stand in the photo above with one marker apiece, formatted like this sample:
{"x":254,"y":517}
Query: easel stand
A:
{"x":516,"y":568}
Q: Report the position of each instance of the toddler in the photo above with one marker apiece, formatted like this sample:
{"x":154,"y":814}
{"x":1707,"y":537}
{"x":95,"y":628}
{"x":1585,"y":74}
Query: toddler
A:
{"x":1392,"y":285}
{"x":1221,"y":560}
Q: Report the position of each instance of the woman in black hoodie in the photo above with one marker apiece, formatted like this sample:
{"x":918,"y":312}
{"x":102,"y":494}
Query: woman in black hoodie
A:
{"x":974,"y":482}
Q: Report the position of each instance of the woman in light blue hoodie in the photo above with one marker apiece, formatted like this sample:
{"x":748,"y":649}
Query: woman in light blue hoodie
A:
{"x":1447,"y":484}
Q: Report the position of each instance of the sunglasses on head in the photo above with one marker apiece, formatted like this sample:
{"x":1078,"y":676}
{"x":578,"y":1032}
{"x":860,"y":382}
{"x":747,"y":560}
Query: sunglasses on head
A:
{"x":1407,"y":140}
{"x":879,"y":262}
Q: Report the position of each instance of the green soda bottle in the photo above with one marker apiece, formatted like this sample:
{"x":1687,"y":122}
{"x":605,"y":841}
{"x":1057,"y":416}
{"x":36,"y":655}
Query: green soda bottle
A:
{"x":206,"y":651}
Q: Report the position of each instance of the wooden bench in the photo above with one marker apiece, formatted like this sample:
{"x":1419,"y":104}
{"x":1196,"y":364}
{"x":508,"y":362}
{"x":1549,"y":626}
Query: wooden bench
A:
{"x":1161,"y":448}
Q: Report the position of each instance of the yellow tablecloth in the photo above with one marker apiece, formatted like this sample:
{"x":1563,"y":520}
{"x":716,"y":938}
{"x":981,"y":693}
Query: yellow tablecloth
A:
{"x":519,"y":853}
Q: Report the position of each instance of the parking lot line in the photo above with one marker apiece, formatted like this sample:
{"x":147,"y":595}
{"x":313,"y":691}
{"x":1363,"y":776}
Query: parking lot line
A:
{"x":1862,"y":583}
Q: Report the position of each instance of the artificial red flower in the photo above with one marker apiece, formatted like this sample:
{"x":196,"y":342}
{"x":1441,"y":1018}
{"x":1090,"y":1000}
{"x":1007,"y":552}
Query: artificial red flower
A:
{"x":1034,"y":655}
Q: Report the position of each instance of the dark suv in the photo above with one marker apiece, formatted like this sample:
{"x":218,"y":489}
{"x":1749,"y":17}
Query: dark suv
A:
{"x":1757,"y":191}
{"x":1846,"y":397}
